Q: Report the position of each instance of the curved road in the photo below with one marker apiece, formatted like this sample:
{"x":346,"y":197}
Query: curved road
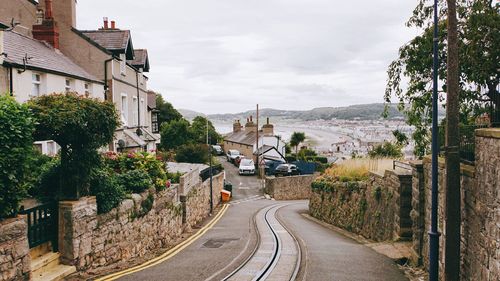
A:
{"x":242,"y":239}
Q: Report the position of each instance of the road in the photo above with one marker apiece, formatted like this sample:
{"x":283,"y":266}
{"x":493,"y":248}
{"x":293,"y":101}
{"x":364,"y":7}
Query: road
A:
{"x":273,"y":240}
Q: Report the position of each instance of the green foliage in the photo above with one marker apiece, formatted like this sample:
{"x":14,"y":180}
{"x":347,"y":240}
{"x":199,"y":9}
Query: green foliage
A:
{"x":105,"y":186}
{"x":377,"y":193}
{"x":175,"y":134}
{"x":174,"y":177}
{"x":39,"y":165}
{"x":192,"y":153}
{"x":80,"y":125}
{"x":167,"y":112}
{"x":198,"y":131}
{"x":48,"y":187}
{"x":296,"y":139}
{"x":135,"y":181}
{"x":147,"y":205}
{"x":479,"y":38}
{"x":386,"y":150}
{"x":290,"y":158}
{"x":16,"y":127}
{"x":306,"y":153}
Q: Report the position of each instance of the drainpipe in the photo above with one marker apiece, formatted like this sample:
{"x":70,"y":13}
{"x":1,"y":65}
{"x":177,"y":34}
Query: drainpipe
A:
{"x":106,"y":87}
{"x":11,"y":81}
{"x":138,"y":99}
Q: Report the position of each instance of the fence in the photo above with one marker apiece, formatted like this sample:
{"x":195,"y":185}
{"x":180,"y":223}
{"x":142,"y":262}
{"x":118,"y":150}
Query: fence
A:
{"x":467,"y":143}
{"x":42,"y":224}
{"x":495,"y":110}
{"x":205,"y":173}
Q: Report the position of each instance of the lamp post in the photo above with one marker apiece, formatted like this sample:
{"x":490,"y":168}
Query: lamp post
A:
{"x":433,"y":233}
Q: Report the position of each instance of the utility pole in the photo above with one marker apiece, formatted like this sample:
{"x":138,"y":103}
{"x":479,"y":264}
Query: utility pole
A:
{"x":433,"y":233}
{"x":452,"y":212}
{"x":211,"y":172}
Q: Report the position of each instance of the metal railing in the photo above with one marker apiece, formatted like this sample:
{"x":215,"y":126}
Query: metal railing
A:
{"x":495,"y":111}
{"x":467,"y":142}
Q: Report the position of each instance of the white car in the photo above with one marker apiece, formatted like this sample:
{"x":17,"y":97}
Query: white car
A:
{"x":247,"y":167}
{"x":232,"y":154}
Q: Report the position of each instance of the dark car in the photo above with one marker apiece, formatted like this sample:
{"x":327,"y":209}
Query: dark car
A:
{"x":286,"y":170}
{"x":271,"y":163}
{"x":217,"y":150}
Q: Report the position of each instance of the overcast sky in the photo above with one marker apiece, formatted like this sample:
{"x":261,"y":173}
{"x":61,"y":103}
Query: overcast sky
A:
{"x":218,"y":56}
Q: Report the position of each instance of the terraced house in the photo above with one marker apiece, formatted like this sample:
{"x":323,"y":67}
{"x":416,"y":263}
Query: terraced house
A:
{"x":105,"y":55}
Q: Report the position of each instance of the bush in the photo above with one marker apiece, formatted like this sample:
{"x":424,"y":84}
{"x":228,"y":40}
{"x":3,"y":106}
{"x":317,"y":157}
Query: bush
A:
{"x":37,"y":165}
{"x":135,"y":181}
{"x":321,"y":159}
{"x":290,"y":158}
{"x":107,"y":190}
{"x":80,"y":125}
{"x":192,"y":153}
{"x":174,"y":177}
{"x":16,"y":127}
{"x":386,"y":150}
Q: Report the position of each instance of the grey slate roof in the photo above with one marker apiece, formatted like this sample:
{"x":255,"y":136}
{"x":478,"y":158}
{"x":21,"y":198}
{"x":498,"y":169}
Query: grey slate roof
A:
{"x":140,"y":60}
{"x":109,"y":39}
{"x":40,"y":56}
{"x":248,"y":138}
{"x":151,"y":100}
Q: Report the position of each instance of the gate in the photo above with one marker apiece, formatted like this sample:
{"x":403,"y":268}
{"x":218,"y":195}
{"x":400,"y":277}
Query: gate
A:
{"x":42,"y":224}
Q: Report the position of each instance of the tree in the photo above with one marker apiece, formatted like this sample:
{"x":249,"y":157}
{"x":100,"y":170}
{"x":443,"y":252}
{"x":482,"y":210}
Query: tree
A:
{"x":16,"y":127}
{"x":198,"y":130}
{"x":167,"y":112}
{"x":479,"y":55}
{"x":80,"y":125}
{"x":296,"y":139}
{"x":174,"y":134}
{"x":386,"y":150}
{"x":192,"y":153}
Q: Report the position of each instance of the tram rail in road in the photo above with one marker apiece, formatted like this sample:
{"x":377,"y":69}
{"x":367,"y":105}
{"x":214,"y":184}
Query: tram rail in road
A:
{"x":277,"y":256}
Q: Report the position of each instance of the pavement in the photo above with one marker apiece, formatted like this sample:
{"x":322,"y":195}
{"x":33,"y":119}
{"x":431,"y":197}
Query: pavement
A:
{"x":324,"y":254}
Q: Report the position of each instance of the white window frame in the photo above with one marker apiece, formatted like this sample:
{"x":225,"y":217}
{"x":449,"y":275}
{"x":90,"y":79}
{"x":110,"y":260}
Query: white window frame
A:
{"x":135,"y":113}
{"x":142,"y":109}
{"x":124,"y":109}
{"x":87,"y":88}
{"x":68,"y":85}
{"x":36,"y":84}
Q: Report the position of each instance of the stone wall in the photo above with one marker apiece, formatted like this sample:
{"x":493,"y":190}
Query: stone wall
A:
{"x":377,"y":209}
{"x":290,"y":188}
{"x":144,"y":223}
{"x":480,"y":193}
{"x":14,"y":250}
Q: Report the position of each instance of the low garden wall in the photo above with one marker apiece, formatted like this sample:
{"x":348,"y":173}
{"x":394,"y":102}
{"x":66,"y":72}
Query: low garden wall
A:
{"x":14,"y":249}
{"x":290,"y":188}
{"x":378,"y":209}
{"x":146,"y":222}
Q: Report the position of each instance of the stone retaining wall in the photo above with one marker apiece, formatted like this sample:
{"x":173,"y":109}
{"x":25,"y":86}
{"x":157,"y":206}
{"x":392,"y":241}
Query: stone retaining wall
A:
{"x":377,"y":209}
{"x":139,"y":225}
{"x":14,"y":250}
{"x":290,"y":188}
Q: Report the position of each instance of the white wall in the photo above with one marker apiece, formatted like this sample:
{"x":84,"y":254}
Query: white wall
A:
{"x":273,"y":141}
{"x":50,"y":83}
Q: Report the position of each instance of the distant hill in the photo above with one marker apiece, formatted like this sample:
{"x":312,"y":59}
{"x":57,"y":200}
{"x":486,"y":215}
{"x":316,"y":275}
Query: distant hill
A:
{"x":363,"y":112}
{"x":190,"y":114}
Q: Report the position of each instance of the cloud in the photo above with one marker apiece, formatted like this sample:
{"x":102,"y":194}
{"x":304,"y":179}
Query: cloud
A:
{"x":219,"y":56}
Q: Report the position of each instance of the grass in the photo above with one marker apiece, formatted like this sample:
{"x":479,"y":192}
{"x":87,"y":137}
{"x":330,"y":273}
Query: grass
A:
{"x":357,"y":169}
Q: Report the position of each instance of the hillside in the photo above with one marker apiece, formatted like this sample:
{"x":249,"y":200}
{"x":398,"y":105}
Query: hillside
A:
{"x":363,"y":112}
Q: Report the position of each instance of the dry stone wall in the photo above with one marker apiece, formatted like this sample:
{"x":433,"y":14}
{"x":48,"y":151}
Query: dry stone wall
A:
{"x":290,"y":188}
{"x":14,"y":249}
{"x":377,"y":209}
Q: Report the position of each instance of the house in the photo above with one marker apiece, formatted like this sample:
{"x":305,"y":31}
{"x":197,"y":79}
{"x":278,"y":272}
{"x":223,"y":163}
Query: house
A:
{"x":30,"y":67}
{"x":108,"y":54}
{"x":244,"y":139}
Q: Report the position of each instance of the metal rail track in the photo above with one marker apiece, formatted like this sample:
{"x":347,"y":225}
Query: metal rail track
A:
{"x":273,"y":260}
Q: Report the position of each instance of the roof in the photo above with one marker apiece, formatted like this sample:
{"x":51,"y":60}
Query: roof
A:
{"x":243,"y":137}
{"x":140,"y":60}
{"x":151,"y":100}
{"x":115,"y":40}
{"x":22,"y":50}
{"x":263,"y":149}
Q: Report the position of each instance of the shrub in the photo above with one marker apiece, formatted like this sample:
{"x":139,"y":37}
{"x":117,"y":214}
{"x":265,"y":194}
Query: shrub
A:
{"x":321,"y":159}
{"x":80,"y":125}
{"x":192,"y":153}
{"x":37,"y":165}
{"x":290,"y":158}
{"x":387,"y":150}
{"x":107,"y":190}
{"x":16,"y":127}
{"x":174,"y":177}
{"x":135,"y":181}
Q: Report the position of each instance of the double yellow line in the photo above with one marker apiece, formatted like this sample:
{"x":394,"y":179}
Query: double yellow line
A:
{"x":170,"y":253}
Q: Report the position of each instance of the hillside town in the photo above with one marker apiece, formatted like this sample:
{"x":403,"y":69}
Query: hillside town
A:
{"x":104,"y":177}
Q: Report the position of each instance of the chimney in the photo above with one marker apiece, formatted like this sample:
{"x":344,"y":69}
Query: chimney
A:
{"x":268,"y":129}
{"x":236,"y":126}
{"x":113,"y":24}
{"x":105,"y":23}
{"x":47,"y":31}
{"x":250,"y":125}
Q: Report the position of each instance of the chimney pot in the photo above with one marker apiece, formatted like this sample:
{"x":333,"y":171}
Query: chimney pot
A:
{"x":105,"y":22}
{"x":113,"y":24}
{"x":48,"y":9}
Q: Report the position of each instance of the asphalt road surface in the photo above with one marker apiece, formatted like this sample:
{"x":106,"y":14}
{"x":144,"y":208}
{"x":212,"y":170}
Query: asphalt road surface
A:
{"x":264,"y":237}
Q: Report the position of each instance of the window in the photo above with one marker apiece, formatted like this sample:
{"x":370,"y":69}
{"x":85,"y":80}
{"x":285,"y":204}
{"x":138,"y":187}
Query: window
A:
{"x":123,"y":64}
{"x":88,"y":90}
{"x":142,"y":109}
{"x":36,"y":80}
{"x":155,"y":127}
{"x":124,"y":107}
{"x":67,"y":86}
{"x":134,"y":111}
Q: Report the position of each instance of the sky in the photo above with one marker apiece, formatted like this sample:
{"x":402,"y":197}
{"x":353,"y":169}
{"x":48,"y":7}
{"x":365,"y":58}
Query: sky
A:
{"x":226,"y":56}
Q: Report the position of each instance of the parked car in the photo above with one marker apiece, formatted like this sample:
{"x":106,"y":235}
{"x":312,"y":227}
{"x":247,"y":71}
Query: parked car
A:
{"x":232,"y":154}
{"x":286,"y":170}
{"x":247,"y":167}
{"x":269,"y":163}
{"x":217,"y":150}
